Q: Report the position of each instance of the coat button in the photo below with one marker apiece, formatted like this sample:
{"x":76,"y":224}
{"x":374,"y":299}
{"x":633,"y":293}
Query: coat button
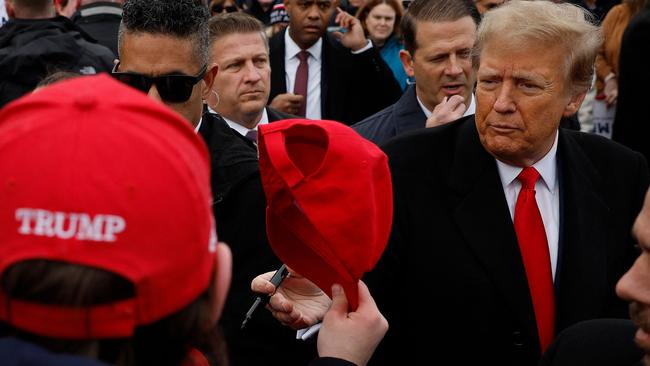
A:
{"x":517,"y":338}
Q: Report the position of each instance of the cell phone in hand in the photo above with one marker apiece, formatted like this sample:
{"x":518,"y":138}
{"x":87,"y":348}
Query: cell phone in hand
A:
{"x":336,"y":28}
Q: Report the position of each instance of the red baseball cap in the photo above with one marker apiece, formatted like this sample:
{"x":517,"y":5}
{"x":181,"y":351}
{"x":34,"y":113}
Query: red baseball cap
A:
{"x":329,"y":198}
{"x":96,"y":174}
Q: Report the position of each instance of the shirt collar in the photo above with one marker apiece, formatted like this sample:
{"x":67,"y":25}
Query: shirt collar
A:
{"x":292,"y":49}
{"x":546,"y":166}
{"x":470,"y":110}
{"x":198,"y":125}
{"x":243,"y":130}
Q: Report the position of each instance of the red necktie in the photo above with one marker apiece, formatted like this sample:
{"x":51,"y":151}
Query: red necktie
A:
{"x":302,"y":75}
{"x":534,"y":251}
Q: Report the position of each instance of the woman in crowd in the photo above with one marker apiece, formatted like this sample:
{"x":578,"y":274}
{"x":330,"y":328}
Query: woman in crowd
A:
{"x":380,"y":20}
{"x":613,"y":27}
{"x":223,"y":6}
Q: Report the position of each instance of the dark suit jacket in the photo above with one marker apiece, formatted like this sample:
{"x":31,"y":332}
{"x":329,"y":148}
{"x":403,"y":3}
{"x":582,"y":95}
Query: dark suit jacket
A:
{"x":453,"y":241}
{"x":275,"y":115}
{"x":240,"y":212}
{"x":598,"y":342}
{"x":632,"y":122}
{"x":352,"y":86}
{"x":403,"y":116}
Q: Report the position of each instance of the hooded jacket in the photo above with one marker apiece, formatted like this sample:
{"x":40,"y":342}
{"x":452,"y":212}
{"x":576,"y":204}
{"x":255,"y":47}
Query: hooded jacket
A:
{"x":31,"y":49}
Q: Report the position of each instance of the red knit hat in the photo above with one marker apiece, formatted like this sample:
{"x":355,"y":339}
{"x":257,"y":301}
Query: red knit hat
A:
{"x":96,"y":174}
{"x":329,"y":199}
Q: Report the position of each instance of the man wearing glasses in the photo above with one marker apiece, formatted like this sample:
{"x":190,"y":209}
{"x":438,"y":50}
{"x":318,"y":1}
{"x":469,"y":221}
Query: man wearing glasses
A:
{"x":163,"y":51}
{"x":163,"y":47}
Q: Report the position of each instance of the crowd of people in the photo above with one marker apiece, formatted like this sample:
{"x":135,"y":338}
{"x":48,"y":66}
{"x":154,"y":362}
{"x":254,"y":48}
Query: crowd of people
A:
{"x":134,"y":217}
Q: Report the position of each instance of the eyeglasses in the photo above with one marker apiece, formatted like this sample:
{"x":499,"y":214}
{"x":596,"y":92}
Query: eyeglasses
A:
{"x":221,"y":8}
{"x":172,"y":88}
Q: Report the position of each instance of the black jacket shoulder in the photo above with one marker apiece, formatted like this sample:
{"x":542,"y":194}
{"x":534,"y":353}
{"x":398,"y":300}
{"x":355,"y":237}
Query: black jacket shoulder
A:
{"x":32,"y":49}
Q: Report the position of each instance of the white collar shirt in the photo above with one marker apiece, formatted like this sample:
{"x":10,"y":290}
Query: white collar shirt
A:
{"x":470,"y":110}
{"x":547,"y":194}
{"x":291,"y":63}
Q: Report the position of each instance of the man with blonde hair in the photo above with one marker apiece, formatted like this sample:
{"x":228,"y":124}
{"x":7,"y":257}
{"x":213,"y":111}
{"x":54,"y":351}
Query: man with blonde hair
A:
{"x":512,"y":228}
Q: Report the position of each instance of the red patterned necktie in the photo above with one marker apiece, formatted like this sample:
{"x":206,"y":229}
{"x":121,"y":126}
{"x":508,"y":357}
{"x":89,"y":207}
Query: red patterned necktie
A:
{"x":302,"y":76}
{"x":534,"y":251}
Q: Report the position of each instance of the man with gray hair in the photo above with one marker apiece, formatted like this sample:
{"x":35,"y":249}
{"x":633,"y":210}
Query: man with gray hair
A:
{"x":522,"y":228}
{"x":507,"y":229}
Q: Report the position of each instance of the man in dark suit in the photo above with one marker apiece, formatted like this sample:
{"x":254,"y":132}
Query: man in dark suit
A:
{"x":239,"y":49}
{"x":438,"y":38}
{"x":631,"y":126}
{"x":341,"y":74}
{"x":507,"y":229}
{"x":464,"y":230}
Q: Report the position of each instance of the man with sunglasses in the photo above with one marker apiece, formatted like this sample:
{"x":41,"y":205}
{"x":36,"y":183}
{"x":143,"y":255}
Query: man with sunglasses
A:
{"x":164,"y":52}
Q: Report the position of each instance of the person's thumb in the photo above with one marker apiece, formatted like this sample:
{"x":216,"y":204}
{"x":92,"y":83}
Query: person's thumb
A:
{"x":339,"y":301}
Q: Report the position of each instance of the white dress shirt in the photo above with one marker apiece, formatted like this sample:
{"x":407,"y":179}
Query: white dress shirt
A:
{"x":470,"y":110}
{"x":315,"y":60}
{"x":547,"y":194}
{"x":244,"y":130}
{"x":239,"y":128}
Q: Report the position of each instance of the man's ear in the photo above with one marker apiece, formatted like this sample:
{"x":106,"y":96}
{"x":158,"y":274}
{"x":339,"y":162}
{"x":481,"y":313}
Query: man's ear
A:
{"x":574,"y":104}
{"x":220,"y":283}
{"x":407,"y":62}
{"x":208,"y":80}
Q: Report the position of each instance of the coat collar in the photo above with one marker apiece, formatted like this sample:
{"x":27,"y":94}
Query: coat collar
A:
{"x":407,"y":113}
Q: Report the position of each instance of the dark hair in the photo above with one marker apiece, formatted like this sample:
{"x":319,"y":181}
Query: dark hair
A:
{"x":164,"y":342}
{"x":35,"y":5}
{"x":434,"y":11}
{"x":57,"y":76}
{"x":214,"y":4}
{"x":232,"y":23}
{"x":187,"y":19}
{"x":363,"y":12}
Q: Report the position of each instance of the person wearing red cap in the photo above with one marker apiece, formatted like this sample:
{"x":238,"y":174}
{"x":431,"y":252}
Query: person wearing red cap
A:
{"x":108,"y":247}
{"x":92,"y":261}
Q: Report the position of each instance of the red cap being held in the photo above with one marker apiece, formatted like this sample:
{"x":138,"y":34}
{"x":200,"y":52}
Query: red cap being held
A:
{"x":329,"y":198}
{"x":96,"y":174}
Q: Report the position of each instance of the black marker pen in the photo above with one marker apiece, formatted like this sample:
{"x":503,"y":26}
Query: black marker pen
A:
{"x":276,"y":280}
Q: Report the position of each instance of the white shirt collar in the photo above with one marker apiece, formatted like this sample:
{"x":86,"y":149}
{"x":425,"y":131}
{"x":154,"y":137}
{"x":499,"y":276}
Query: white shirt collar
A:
{"x":198,"y":125}
{"x":470,"y":110}
{"x":546,"y":166}
{"x":292,"y":49}
{"x":243,"y":130}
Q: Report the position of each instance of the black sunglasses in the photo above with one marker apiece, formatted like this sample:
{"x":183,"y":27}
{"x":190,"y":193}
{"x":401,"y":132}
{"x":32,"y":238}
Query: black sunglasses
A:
{"x":172,"y":88}
{"x":221,"y":8}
